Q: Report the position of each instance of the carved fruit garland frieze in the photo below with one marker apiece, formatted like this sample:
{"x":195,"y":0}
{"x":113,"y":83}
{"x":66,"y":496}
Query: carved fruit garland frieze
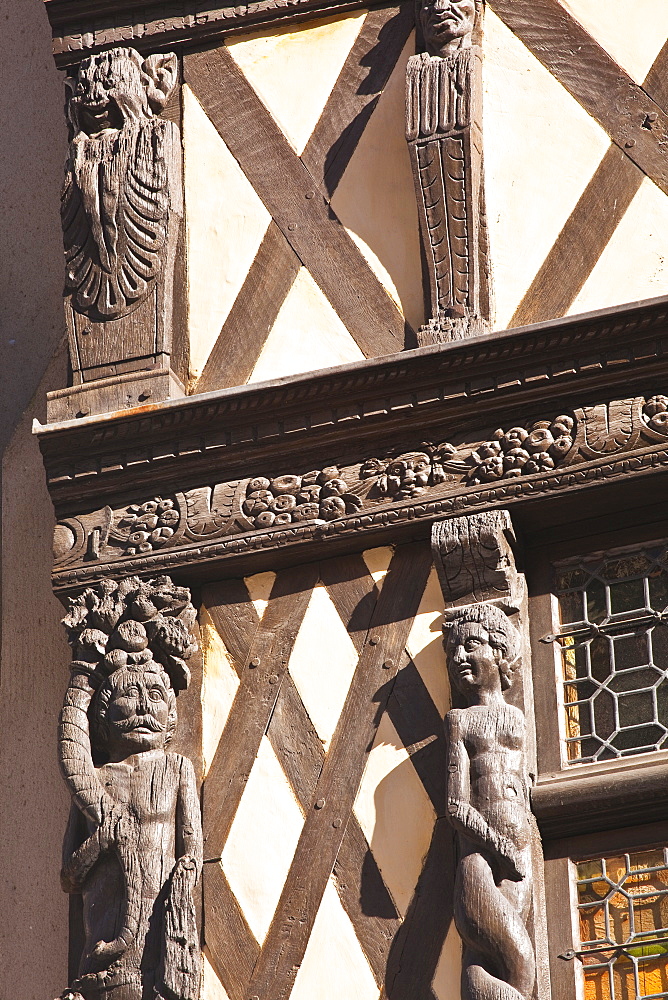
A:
{"x":334,"y":492}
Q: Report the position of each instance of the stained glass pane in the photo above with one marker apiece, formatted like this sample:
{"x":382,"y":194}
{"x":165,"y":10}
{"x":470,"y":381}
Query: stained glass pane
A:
{"x":623,"y":908}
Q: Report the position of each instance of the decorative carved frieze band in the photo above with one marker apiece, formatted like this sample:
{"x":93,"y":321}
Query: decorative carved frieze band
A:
{"x":274,"y":511}
{"x":79,"y":28}
{"x":444,"y":135}
{"x":133,"y":845}
{"x":156,"y":448}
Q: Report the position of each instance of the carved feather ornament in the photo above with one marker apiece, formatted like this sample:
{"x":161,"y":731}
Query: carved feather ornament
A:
{"x":118,"y":192}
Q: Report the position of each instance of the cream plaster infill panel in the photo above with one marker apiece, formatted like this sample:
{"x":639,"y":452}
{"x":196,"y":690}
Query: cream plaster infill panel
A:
{"x":425,"y":645}
{"x":632,"y":33}
{"x":378,"y":562}
{"x":259,"y":588}
{"x":212,"y":988}
{"x":541,"y":151}
{"x":334,"y":966}
{"x":322,"y":663}
{"x":225,"y":224}
{"x":375,"y":198}
{"x":395,"y":813}
{"x":262,"y":841}
{"x":306,"y":336}
{"x":293,"y":70}
{"x":219,"y":687}
{"x":447,"y":978}
{"x":634,"y":265}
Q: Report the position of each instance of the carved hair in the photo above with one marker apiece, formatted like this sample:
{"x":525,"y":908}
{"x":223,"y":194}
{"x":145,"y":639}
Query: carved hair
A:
{"x":502,"y":634}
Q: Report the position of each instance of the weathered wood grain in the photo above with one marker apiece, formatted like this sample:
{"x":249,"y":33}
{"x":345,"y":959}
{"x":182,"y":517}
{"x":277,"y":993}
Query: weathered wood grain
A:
{"x":355,"y":94}
{"x":337,"y":787}
{"x":253,"y":314}
{"x":233,"y":614}
{"x":229,"y":940}
{"x":594,"y":79}
{"x":291,"y":195}
{"x":254,"y":702}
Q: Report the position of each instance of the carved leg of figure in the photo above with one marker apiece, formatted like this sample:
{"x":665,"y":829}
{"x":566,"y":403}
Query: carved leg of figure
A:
{"x":498,"y":959}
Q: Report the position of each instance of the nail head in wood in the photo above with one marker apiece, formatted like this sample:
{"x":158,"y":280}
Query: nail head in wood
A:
{"x":319,"y":803}
{"x":255,"y":662}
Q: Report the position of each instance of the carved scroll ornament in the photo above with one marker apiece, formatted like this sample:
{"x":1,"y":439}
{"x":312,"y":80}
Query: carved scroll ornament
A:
{"x":444,"y":135}
{"x":133,"y":846}
{"x":121,"y":206}
{"x":329,"y":495}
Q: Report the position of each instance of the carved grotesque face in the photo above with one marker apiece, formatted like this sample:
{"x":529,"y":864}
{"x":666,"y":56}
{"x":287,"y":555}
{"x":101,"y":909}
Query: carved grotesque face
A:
{"x":447,"y":24}
{"x":138,"y":712}
{"x":116,"y":86}
{"x":474,"y":664}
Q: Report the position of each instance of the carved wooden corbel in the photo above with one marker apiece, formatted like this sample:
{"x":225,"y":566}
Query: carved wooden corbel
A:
{"x":489,"y":747}
{"x":444,"y":135}
{"x":121,"y":210}
{"x":133,"y":846}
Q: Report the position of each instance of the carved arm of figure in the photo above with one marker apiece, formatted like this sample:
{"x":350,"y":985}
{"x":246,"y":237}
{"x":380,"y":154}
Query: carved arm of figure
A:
{"x":464,"y":817}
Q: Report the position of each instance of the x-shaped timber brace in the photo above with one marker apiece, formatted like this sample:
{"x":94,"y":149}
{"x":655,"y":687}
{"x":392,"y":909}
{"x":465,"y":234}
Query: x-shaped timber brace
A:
{"x":403,"y":958}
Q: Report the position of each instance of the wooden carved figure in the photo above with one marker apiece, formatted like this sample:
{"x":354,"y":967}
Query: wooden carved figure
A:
{"x":121,"y":210}
{"x":444,"y":134}
{"x":133,"y":846}
{"x":488,"y":806}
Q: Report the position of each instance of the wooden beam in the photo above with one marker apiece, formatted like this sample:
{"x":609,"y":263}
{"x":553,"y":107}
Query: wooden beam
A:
{"x":291,"y":195}
{"x":253,"y":314}
{"x":341,"y":774}
{"x":591,"y":224}
{"x":229,"y":940}
{"x":254,"y":702}
{"x":355,"y":94}
{"x":583,"y":239}
{"x":594,"y":79}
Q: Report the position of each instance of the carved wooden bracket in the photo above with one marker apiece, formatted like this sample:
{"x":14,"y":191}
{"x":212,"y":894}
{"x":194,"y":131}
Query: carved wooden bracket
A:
{"x":474,"y":558}
{"x":444,"y":135}
{"x":121,"y":211}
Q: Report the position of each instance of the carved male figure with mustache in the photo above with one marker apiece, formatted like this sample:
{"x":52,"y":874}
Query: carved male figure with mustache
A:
{"x":133,"y":847}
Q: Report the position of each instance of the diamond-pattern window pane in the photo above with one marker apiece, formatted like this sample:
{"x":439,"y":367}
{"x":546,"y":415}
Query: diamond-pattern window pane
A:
{"x":623,"y":910}
{"x":613,"y":611}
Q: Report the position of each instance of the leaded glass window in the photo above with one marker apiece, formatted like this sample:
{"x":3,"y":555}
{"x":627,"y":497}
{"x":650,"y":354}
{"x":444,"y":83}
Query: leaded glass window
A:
{"x":623,"y":911}
{"x":613,"y":611}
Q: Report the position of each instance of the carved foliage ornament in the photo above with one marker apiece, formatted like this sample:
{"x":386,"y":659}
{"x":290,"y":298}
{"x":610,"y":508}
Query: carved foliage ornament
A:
{"x":133,"y":847}
{"x":120,"y":182}
{"x":329,"y":494}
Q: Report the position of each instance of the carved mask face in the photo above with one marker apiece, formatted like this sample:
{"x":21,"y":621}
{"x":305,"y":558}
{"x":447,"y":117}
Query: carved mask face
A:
{"x":108,"y":89}
{"x":117,"y":86}
{"x":473,"y":663}
{"x":138,"y":712}
{"x":446,"y":24}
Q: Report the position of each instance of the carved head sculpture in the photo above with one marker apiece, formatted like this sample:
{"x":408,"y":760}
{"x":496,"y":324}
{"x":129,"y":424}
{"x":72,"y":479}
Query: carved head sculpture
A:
{"x":482,"y":646}
{"x":134,"y":710}
{"x":447,"y":25}
{"x":117,"y":86}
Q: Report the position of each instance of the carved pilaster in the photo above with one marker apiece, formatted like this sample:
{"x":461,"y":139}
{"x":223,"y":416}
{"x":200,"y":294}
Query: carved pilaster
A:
{"x":133,"y":846}
{"x":491,"y":745}
{"x":121,"y":210}
{"x":444,"y":135}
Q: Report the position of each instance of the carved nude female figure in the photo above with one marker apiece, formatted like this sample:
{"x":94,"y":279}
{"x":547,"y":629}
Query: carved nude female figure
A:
{"x":488,"y":805}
